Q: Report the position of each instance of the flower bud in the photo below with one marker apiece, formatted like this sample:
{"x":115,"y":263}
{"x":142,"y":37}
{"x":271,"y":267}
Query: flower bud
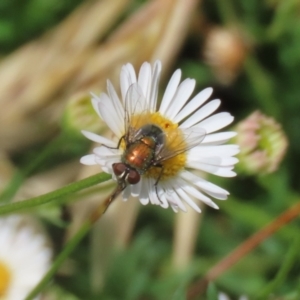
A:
{"x":262,"y":144}
{"x":225,"y":51}
{"x":79,"y":114}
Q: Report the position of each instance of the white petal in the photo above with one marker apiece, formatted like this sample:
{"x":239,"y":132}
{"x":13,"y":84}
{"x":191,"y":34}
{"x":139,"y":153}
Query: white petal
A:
{"x":201,"y":151}
{"x":213,"y":169}
{"x":154,"y":86}
{"x":162,"y":197}
{"x":173,"y":198}
{"x":187,"y":199}
{"x":95,"y":101}
{"x":215,"y":161}
{"x":109,"y":116}
{"x":202,"y":113}
{"x":216,"y":122}
{"x":204,"y":185}
{"x":144,"y":79}
{"x":105,"y":152}
{"x":127,"y":78}
{"x":144,"y":196}
{"x":196,"y":102}
{"x":183,"y":93}
{"x":98,"y":139}
{"x":106,"y":156}
{"x":131,"y":72}
{"x":119,"y":109}
{"x":170,"y":91}
{"x":218,"y":138}
{"x":175,"y":208}
{"x":152,"y":193}
{"x":135,"y":100}
{"x":136,"y":189}
{"x":198,"y":195}
{"x":88,"y":160}
{"x":126,"y":193}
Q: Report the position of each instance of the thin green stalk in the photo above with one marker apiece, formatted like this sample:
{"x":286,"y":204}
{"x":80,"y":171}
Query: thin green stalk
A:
{"x":285,"y":268}
{"x":69,"y":247}
{"x":64,"y":191}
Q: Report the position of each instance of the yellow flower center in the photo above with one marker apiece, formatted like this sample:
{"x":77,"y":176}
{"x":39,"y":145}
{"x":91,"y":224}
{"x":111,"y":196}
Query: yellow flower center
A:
{"x":5,"y":278}
{"x":173,"y":138}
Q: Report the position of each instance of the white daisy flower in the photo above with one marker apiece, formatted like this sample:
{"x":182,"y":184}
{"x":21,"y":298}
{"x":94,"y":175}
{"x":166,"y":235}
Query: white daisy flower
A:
{"x":159,"y":148}
{"x":24,"y":258}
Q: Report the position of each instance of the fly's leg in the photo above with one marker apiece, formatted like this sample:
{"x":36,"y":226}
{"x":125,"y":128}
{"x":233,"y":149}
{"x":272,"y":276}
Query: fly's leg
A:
{"x":119,"y":143}
{"x":157,"y":180}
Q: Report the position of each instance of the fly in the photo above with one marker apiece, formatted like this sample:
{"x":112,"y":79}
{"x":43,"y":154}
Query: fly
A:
{"x":148,"y":145}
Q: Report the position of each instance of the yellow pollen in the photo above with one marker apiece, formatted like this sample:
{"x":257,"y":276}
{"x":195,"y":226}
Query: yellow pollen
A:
{"x":5,"y":278}
{"x":174,"y":137}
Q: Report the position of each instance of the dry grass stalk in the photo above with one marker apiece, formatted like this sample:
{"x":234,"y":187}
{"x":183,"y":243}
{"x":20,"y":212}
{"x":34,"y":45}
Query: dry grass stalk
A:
{"x":185,"y":236}
{"x":35,"y":75}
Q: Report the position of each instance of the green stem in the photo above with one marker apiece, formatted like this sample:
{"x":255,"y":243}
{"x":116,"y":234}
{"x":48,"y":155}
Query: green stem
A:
{"x":64,"y":191}
{"x":69,"y":247}
{"x":286,"y":266}
{"x":74,"y":241}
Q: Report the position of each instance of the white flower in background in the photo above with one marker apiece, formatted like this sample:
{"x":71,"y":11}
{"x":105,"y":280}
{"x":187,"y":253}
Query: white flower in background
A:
{"x":24,"y":258}
{"x":159,"y":148}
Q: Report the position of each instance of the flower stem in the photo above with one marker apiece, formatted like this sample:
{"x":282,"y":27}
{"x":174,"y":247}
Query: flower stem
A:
{"x":69,"y":247}
{"x":73,"y":242}
{"x":64,"y":191}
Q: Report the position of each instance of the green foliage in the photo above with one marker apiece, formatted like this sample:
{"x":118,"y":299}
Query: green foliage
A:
{"x":21,"y":21}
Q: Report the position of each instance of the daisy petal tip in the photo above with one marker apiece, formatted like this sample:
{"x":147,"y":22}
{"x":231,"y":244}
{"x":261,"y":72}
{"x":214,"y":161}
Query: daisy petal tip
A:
{"x":208,"y":91}
{"x":158,"y":64}
{"x":95,"y":98}
{"x":88,"y":160}
{"x":197,"y":209}
{"x":144,"y":201}
{"x":84,"y":132}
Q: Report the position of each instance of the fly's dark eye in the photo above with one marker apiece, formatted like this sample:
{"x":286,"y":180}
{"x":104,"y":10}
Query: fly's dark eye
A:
{"x":119,"y":168}
{"x":133,"y":177}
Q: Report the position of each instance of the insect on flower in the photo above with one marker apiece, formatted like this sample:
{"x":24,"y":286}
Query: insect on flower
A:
{"x":147,"y":145}
{"x":159,"y":147}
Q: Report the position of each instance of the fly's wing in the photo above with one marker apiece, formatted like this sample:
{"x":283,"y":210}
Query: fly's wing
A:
{"x":178,"y":141}
{"x":135,"y":108}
